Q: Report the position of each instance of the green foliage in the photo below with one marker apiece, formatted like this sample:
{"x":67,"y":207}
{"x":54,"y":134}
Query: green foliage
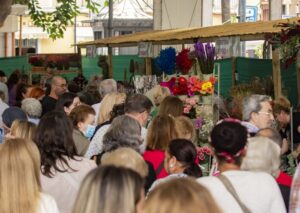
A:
{"x":56,"y":22}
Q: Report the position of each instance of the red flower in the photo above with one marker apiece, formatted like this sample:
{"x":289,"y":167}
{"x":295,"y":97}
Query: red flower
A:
{"x":183,"y":61}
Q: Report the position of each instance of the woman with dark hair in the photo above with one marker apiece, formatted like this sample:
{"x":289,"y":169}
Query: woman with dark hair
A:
{"x":22,"y":92}
{"x":180,"y":161}
{"x":236,"y":190}
{"x":66,"y":102}
{"x":12,"y":82}
{"x":60,"y":166}
{"x":171,"y":105}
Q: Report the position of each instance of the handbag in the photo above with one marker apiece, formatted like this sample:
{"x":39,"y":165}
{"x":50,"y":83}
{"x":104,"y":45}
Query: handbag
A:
{"x":232,"y":191}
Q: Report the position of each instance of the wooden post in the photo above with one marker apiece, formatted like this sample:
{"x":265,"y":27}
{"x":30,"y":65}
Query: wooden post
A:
{"x":20,"y":36}
{"x":233,"y":61}
{"x":276,"y":73}
{"x":148,"y":66}
{"x":110,"y":66}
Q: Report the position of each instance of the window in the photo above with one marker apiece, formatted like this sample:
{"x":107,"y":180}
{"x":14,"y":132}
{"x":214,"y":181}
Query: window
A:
{"x":125,"y":32}
{"x":97,"y":35}
{"x":283,"y":9}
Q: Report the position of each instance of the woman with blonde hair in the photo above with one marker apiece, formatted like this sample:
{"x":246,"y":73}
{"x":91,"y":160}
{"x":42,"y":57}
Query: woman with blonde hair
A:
{"x":20,"y":183}
{"x":180,"y":195}
{"x":22,"y":129}
{"x":107,"y":105}
{"x":185,"y":128}
{"x":110,"y":189}
{"x":160,"y":133}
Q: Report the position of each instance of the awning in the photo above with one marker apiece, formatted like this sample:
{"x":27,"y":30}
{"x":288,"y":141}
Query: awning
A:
{"x":246,"y":31}
{"x":32,"y":33}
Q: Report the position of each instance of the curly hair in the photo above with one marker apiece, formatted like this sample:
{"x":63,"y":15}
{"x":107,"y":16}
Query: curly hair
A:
{"x":124,"y":131}
{"x":55,"y":142}
{"x":32,"y":107}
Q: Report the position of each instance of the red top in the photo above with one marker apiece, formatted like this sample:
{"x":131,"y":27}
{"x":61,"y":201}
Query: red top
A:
{"x":284,"y":179}
{"x":156,"y":157}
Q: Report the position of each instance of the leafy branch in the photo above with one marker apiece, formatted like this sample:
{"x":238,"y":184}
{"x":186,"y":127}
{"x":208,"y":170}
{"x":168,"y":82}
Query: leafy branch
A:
{"x":56,"y":22}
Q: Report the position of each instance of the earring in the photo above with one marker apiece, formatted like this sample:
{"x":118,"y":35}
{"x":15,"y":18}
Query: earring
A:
{"x":171,"y":165}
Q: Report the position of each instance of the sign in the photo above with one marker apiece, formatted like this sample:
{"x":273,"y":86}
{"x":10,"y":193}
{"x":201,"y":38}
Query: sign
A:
{"x":145,"y":49}
{"x":227,"y":47}
{"x":251,"y":13}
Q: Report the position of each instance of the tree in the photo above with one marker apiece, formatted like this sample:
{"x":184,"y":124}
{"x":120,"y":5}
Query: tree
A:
{"x":5,"y":10}
{"x":54,"y":23}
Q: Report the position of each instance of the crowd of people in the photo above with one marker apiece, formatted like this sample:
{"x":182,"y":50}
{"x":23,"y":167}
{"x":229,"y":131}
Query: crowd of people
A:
{"x":101,"y":149}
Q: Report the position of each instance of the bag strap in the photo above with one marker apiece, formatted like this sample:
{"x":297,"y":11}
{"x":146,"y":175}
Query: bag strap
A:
{"x":232,"y":191}
{"x":159,"y":168}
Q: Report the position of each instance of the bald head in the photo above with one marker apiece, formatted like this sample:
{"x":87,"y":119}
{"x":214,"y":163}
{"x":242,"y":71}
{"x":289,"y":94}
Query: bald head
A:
{"x":5,"y":10}
{"x":58,"y":86}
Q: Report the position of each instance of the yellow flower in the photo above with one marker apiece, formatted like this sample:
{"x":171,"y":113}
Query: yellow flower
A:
{"x":206,"y":86}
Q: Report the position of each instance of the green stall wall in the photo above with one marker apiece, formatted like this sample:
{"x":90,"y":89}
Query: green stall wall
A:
{"x":247,"y":69}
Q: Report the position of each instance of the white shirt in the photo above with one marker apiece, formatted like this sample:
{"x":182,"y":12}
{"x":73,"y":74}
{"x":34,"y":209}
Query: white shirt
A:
{"x":96,"y":107}
{"x":96,"y":144}
{"x":3,"y":106}
{"x":64,"y":186}
{"x":257,"y":190}
{"x":166,"y":179}
{"x":47,"y":204}
{"x":3,"y":88}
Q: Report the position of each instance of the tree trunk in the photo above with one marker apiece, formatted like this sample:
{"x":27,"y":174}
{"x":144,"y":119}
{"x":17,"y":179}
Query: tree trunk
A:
{"x":225,"y":6}
{"x":5,"y":10}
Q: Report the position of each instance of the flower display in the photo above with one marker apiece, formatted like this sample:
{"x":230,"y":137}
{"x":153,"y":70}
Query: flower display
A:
{"x":205,"y":54}
{"x":184,"y":61}
{"x":166,"y":61}
{"x":288,"y":41}
{"x":190,"y":86}
{"x":36,"y":61}
{"x":207,"y":87}
{"x":202,"y":152}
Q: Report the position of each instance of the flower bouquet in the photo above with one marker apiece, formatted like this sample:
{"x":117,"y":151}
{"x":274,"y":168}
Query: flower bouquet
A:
{"x":205,"y":54}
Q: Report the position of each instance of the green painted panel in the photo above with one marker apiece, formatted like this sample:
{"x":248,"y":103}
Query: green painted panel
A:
{"x":8,"y":65}
{"x":120,"y":63}
{"x":225,"y":78}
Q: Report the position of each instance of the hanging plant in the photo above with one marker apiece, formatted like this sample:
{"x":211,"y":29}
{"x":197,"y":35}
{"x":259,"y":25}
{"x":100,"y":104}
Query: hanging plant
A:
{"x":288,"y":41}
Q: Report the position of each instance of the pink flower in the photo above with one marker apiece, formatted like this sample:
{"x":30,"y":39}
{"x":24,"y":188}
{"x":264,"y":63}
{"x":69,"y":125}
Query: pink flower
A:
{"x":186,"y":110}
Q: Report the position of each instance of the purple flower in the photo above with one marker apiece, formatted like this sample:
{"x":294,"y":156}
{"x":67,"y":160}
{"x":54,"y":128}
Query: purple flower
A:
{"x":198,"y":122}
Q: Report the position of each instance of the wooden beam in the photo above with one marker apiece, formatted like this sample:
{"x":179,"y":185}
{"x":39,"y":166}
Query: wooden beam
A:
{"x":148,"y":66}
{"x":276,"y":73}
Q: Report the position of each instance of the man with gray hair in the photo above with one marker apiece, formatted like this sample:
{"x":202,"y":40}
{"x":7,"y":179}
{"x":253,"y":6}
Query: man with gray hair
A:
{"x":257,"y":113}
{"x":106,"y":86}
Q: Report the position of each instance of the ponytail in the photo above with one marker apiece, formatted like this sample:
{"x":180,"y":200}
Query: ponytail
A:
{"x":193,"y":170}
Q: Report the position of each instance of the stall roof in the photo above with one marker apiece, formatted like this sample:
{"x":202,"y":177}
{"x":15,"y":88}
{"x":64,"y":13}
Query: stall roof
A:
{"x":246,"y":31}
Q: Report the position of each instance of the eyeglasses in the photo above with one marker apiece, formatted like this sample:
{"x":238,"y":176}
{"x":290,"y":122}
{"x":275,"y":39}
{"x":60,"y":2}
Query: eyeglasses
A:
{"x":270,"y":114}
{"x":62,"y":85}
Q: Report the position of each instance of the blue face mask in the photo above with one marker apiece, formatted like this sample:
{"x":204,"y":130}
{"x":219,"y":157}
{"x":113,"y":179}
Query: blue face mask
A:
{"x":90,"y":129}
